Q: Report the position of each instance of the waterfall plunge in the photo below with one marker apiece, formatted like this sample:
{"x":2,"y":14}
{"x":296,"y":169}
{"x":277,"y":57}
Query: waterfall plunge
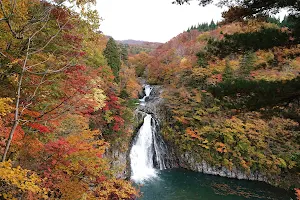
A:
{"x":141,"y":155}
{"x":149,"y":149}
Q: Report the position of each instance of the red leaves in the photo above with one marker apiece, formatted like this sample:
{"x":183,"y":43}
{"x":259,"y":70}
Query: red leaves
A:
{"x":217,"y":78}
{"x":60,"y":14}
{"x":41,"y":128}
{"x":101,"y":179}
{"x":119,"y":121}
{"x":112,"y":102}
{"x":73,"y":38}
{"x":59,"y":148}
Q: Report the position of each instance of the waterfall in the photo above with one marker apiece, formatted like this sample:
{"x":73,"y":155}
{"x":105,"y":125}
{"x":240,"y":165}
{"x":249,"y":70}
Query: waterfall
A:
{"x":149,"y":150}
{"x":147,"y":90}
{"x":141,"y":155}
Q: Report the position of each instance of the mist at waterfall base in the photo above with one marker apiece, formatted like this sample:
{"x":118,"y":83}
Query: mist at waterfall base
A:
{"x":179,"y":184}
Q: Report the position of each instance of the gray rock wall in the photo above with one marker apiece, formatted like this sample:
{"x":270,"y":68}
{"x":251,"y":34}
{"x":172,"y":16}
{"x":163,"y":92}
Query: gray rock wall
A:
{"x":187,"y":161}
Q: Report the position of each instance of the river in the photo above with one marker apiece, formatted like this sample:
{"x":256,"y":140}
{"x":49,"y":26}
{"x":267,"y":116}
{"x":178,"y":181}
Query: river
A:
{"x":179,"y":184}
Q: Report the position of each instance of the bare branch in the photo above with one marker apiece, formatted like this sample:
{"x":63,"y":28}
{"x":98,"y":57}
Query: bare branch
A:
{"x":68,"y":65}
{"x":7,"y":19}
{"x":17,"y":107}
{"x":50,"y":40}
{"x":40,"y":63}
{"x":2,"y":54}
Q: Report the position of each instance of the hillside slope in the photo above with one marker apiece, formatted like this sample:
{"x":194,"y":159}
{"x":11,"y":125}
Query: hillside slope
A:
{"x":232,"y":97}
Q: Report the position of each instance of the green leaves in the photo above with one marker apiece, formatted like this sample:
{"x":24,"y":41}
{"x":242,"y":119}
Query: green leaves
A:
{"x":112,"y":56}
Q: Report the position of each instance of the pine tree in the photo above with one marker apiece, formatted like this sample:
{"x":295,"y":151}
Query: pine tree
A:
{"x":228,"y":71}
{"x":123,"y":49}
{"x":247,"y":64}
{"x":112,"y":56}
{"x":212,"y":25}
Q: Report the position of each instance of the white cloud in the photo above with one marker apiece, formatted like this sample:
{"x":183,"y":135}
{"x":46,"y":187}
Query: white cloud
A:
{"x":151,"y":20}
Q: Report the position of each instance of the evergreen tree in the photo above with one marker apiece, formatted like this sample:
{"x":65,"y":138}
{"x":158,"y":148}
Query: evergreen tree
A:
{"x":202,"y":59}
{"x":212,"y":25}
{"x":112,"y":56}
{"x":247,"y":64}
{"x":123,"y":49}
{"x":228,"y":71}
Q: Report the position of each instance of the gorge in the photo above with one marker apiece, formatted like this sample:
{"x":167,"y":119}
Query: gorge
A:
{"x":163,"y":174}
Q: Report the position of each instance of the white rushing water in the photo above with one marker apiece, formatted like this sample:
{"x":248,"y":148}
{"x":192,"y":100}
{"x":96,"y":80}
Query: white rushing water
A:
{"x":148,"y":150}
{"x":141,"y":154}
{"x":147,"y":90}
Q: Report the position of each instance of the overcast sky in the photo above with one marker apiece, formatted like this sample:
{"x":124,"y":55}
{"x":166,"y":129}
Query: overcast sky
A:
{"x":151,"y":20}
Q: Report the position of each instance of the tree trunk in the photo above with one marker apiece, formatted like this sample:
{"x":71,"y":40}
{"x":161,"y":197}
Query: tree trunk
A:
{"x":16,"y":117}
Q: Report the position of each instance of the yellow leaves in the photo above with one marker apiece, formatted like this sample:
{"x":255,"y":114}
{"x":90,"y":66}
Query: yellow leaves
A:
{"x":235,"y":125}
{"x":204,"y":36}
{"x":201,"y":72}
{"x":5,"y":106}
{"x":18,"y":180}
{"x":97,"y":94}
{"x":116,"y":189}
{"x":295,"y":64}
{"x":185,"y":64}
{"x":72,"y":124}
{"x":282,"y":163}
{"x":108,"y":116}
{"x":198,"y":97}
{"x":204,"y":146}
{"x":99,"y":97}
{"x":275,"y":75}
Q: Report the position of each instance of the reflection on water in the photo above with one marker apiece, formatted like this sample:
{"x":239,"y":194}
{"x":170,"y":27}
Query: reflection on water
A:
{"x":179,"y":184}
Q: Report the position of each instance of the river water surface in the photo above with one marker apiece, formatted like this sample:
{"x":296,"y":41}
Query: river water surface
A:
{"x":179,"y":184}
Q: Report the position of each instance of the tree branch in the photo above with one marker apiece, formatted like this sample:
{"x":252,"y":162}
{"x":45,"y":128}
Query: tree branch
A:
{"x":50,"y":40}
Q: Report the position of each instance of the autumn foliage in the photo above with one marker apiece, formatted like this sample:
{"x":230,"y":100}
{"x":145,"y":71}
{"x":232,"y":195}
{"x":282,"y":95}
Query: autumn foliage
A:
{"x":56,"y":66}
{"x":230,"y":101}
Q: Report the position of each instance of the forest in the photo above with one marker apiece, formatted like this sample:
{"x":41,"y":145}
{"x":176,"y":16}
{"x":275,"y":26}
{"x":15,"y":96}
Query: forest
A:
{"x":68,"y":95}
{"x":65,"y":97}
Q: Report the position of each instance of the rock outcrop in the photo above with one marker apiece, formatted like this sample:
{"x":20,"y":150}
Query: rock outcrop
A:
{"x":155,"y":106}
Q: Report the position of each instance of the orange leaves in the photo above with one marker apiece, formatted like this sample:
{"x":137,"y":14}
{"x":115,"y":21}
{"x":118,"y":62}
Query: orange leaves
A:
{"x":221,"y":147}
{"x":129,"y":81}
{"x":193,"y":134}
{"x":181,"y":119}
{"x":244,"y":164}
{"x":31,"y":113}
{"x":297,"y":193}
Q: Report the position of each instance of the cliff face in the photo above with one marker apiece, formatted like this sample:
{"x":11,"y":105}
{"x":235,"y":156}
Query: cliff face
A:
{"x":118,"y":161}
{"x":118,"y":156}
{"x":186,"y":159}
{"x":175,"y":158}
